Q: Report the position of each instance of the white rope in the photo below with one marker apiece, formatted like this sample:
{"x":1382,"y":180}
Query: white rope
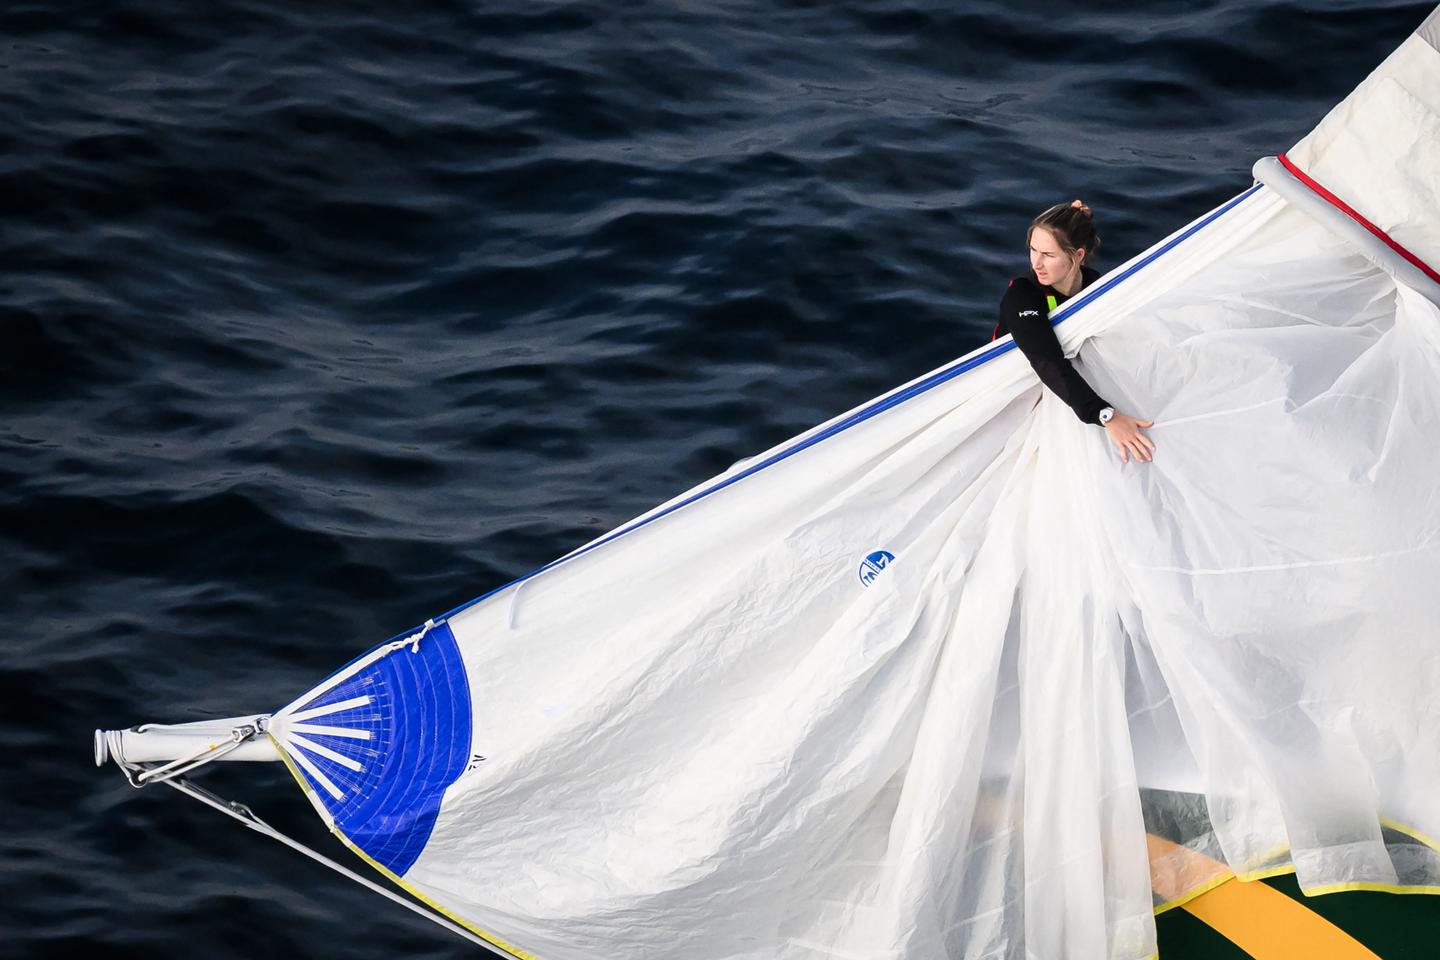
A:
{"x":245,"y":815}
{"x":204,"y":755}
{"x":384,"y":650}
{"x":415,"y":638}
{"x":170,"y":774}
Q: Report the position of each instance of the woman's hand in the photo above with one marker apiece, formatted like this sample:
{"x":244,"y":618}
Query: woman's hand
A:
{"x":1125,"y":433}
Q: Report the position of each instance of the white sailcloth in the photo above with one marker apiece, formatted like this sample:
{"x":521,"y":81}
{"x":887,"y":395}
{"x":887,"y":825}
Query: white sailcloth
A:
{"x":927,"y":681}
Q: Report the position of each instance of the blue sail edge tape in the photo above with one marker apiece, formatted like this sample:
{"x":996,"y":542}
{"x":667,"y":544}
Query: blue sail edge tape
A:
{"x":879,"y":406}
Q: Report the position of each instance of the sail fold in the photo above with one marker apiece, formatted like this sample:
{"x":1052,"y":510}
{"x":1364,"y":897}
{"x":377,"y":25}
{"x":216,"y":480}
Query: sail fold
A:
{"x":943,"y":678}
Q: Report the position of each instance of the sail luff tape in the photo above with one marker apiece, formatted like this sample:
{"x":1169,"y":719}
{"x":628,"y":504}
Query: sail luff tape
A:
{"x":870,"y":408}
{"x":1372,"y":242}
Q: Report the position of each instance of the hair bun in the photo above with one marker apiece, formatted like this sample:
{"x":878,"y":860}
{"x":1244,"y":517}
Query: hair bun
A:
{"x":1072,"y":224}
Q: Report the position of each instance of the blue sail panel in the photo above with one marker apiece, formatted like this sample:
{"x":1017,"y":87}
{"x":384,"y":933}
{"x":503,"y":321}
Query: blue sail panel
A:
{"x":380,"y":748}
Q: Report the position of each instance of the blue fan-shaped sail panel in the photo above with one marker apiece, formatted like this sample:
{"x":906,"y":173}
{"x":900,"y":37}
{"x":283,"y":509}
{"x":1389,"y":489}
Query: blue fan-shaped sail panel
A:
{"x":380,"y":747}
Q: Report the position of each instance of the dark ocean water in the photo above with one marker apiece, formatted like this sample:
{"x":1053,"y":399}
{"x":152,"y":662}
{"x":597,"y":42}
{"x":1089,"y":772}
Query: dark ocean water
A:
{"x":319,"y":319}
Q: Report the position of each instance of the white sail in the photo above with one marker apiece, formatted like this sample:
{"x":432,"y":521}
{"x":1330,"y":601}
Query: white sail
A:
{"x":942,"y":678}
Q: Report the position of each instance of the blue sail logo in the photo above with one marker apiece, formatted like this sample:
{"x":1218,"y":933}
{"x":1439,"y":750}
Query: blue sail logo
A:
{"x":871,"y":566}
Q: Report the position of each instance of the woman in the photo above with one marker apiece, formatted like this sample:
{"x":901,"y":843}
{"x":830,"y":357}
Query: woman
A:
{"x":1061,"y":240}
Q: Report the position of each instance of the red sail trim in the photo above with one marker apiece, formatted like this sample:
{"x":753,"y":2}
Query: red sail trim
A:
{"x":1350,"y":211}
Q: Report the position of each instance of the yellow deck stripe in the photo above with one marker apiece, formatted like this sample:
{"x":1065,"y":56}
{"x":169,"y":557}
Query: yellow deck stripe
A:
{"x":1268,"y":925}
{"x":1257,"y":918}
{"x":1179,"y":874}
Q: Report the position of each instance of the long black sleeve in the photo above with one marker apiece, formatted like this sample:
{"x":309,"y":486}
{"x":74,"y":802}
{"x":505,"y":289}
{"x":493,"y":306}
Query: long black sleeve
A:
{"x":1023,"y":313}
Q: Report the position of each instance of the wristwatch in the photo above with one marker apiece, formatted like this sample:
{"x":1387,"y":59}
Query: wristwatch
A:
{"x":1105,"y":415}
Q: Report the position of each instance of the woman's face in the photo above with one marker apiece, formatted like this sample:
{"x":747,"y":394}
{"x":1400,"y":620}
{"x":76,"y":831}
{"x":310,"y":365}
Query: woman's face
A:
{"x":1047,"y":259}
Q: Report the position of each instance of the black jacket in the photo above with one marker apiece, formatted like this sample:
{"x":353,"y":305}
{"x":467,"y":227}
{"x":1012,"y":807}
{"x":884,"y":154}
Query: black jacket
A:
{"x":1025,"y":315}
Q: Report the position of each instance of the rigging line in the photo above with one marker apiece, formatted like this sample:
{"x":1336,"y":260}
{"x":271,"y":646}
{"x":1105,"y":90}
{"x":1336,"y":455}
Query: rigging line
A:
{"x":206,"y":754}
{"x":245,"y":815}
{"x":410,"y":638}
